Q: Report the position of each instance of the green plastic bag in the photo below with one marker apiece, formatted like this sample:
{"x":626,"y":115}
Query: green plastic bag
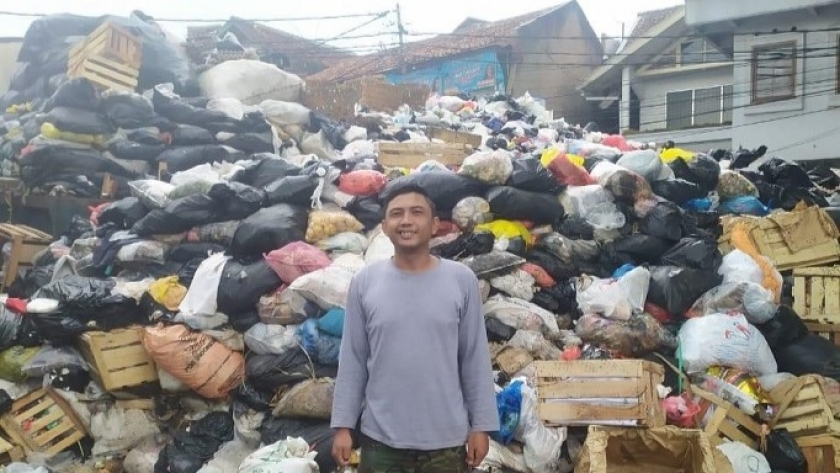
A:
{"x":13,"y":360}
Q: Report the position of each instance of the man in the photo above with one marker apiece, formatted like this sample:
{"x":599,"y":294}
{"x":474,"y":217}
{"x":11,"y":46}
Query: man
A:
{"x":414,"y":359}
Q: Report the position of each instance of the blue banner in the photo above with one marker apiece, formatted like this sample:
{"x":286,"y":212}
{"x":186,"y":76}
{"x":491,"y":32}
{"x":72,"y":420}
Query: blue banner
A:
{"x":480,"y":72}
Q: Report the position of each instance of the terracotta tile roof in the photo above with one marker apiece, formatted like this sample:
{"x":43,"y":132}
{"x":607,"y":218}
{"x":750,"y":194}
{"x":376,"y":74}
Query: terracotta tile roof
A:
{"x":470,"y":37}
{"x":648,"y":19}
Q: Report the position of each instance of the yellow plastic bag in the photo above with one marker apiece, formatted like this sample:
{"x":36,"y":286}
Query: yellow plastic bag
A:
{"x":575,"y":159}
{"x":548,"y":156}
{"x":324,"y":224}
{"x":506,"y":229}
{"x":168,"y":292}
{"x":20,"y":108}
{"x":50,"y":131}
{"x":673,"y":154}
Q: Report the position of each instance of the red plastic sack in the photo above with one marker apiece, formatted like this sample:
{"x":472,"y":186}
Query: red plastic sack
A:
{"x":661,"y":315}
{"x":540,"y":275}
{"x":296,"y":259}
{"x":362,"y":183}
{"x":617,"y":141}
{"x":566,"y":173}
{"x":681,"y":410}
{"x":95,"y":211}
{"x":447,"y":228}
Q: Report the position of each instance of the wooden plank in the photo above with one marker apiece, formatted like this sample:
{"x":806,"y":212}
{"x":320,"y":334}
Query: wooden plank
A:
{"x":824,"y":271}
{"x":53,"y":415}
{"x":65,"y":444}
{"x":800,"y":295}
{"x":570,"y":413}
{"x":411,"y":155}
{"x":130,"y":377}
{"x":584,"y":389}
{"x":593,"y":369}
{"x":55,"y":431}
{"x":832,"y":299}
{"x":817,"y":300}
{"x":37,"y":408}
{"x":114,"y":339}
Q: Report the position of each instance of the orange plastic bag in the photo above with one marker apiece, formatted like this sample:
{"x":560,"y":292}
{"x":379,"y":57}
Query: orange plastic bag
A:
{"x":566,"y":173}
{"x":540,"y":275}
{"x":205,"y":365}
{"x":740,"y":238}
{"x":362,"y":183}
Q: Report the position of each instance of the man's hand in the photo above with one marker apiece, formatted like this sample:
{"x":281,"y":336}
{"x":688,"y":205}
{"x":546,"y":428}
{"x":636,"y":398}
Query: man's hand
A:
{"x":343,"y":447}
{"x":478,"y":445}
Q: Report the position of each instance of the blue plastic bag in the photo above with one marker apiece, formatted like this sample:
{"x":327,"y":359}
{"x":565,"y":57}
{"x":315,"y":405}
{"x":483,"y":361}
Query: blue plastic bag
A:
{"x":698,"y":205}
{"x":623,"y":270}
{"x":509,"y":403}
{"x":745,"y":205}
{"x":332,"y":323}
{"x":321,"y":347}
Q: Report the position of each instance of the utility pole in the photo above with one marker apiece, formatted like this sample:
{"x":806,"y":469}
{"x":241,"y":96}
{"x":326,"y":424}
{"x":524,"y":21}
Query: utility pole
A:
{"x":401,"y":33}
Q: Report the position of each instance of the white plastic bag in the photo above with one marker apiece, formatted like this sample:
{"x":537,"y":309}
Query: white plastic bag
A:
{"x":647,"y":164}
{"x":116,"y":430}
{"x":146,"y":251}
{"x":143,"y":458}
{"x":543,"y":445}
{"x":284,"y":114}
{"x":327,"y":287}
{"x":738,"y":266}
{"x":265,"y":339}
{"x":42,"y":306}
{"x":492,"y":167}
{"x":201,"y":296}
{"x":230,"y":107}
{"x":228,"y":458}
{"x":748,"y":298}
{"x":535,"y":343}
{"x":744,"y":459}
{"x":500,"y":457}
{"x":518,"y":284}
{"x":286,"y":456}
{"x":151,"y":193}
{"x":616,"y":299}
{"x":521,"y":315}
{"x":726,"y":340}
{"x":317,"y":144}
{"x":380,"y":248}
{"x":250,"y":82}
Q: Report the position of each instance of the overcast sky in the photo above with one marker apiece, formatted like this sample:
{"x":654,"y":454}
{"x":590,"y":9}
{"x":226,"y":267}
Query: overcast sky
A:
{"x":419,"y":16}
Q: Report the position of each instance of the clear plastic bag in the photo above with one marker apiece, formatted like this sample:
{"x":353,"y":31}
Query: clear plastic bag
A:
{"x":470,"y":212}
{"x":521,"y":315}
{"x":747,"y":298}
{"x":265,"y":339}
{"x":647,"y":164}
{"x":324,"y":224}
{"x":153,"y":194}
{"x":543,"y":445}
{"x":148,"y":251}
{"x":725,"y":340}
{"x":614,"y":298}
{"x":636,"y":337}
{"x":492,"y":167}
{"x":536,"y":344}
{"x":732,"y":184}
{"x":53,"y":359}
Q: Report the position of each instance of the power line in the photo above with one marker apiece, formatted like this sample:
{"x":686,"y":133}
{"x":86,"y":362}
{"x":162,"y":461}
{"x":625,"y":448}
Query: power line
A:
{"x":207,"y":20}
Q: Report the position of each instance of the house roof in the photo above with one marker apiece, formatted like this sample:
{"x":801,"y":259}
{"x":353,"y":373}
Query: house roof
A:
{"x":649,"y":30}
{"x":471,"y":35}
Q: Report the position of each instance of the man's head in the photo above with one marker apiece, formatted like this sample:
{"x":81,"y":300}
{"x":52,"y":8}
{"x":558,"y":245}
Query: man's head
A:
{"x":410,"y":218}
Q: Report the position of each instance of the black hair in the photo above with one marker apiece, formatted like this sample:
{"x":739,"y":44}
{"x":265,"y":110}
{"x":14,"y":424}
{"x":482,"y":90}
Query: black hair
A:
{"x":407,"y":189}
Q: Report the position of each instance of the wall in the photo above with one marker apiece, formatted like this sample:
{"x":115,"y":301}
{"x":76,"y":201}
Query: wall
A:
{"x":653,"y":90}
{"x":553,"y":56}
{"x":808,"y":126}
{"x":699,"y":12}
{"x":9,"y":49}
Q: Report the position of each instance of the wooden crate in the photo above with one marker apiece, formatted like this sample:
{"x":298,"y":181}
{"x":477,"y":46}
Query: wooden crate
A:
{"x":801,"y":238}
{"x":822,"y":452}
{"x":112,"y":42}
{"x":595,"y":392}
{"x":27,"y":242}
{"x":10,"y":453}
{"x":802,"y":408}
{"x":43,"y":422}
{"x":411,"y":155}
{"x":103,"y":73}
{"x":830,"y":332}
{"x":454,"y":137}
{"x":117,"y":359}
{"x":816,"y":294}
{"x":727,"y":422}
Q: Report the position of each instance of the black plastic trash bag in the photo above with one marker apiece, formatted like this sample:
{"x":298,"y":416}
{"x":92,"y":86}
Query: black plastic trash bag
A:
{"x":189,"y":135}
{"x":188,"y":269}
{"x":467,"y":245}
{"x":77,"y":120}
{"x":76,"y":93}
{"x":236,"y":200}
{"x":333,"y":131}
{"x":546,"y":301}
{"x":294,"y":190}
{"x":743,"y":158}
{"x":30,"y":281}
{"x":243,"y":321}
{"x":677,"y":289}
{"x":783,"y":453}
{"x":811,"y":354}
{"x":785,"y":328}
{"x":6,"y":402}
{"x":184,"y":252}
{"x":241,"y":287}
{"x":259,"y":400}
{"x":186,"y":157}
{"x":252,"y":143}
{"x":530,"y":175}
{"x":179,"y":216}
{"x":702,"y":170}
{"x":123,"y":148}
{"x":498,"y":331}
{"x":512,"y":203}
{"x":445,"y":188}
{"x":678,"y":191}
{"x":268,"y":169}
{"x":189,"y":450}
{"x":317,"y":434}
{"x":636,"y":249}
{"x":555,"y":267}
{"x":785,"y":173}
{"x":128,"y":110}
{"x":10,"y":324}
{"x":179,"y":110}
{"x":694,"y":253}
{"x":269,"y":229}
{"x":664,"y":221}
{"x":123,"y":213}
{"x":271,"y":372}
{"x":367,"y":210}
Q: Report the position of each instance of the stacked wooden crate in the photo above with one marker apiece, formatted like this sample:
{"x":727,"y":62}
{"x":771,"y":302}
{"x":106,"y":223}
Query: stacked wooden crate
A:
{"x":109,"y":57}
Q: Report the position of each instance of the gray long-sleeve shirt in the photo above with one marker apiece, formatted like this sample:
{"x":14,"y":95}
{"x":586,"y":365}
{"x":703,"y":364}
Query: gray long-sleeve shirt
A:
{"x":414,"y":358}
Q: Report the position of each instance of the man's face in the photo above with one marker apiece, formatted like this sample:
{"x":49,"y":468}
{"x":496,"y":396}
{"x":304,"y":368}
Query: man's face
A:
{"x":409,"y":222}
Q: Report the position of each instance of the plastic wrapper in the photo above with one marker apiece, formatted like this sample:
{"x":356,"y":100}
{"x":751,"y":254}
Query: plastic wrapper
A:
{"x":739,"y":388}
{"x":491,"y":167}
{"x":326,"y":224}
{"x":747,"y":298}
{"x":638,"y":336}
{"x":732,"y":184}
{"x":744,"y":205}
{"x":470,"y":212}
{"x":287,"y":456}
{"x":614,"y":298}
{"x":521,"y":315}
{"x":725,"y":340}
{"x":518,"y":284}
{"x":295,"y":260}
{"x":505,"y":229}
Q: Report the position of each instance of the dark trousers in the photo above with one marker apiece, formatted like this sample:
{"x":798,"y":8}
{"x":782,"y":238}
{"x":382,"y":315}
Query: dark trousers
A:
{"x":380,"y":458}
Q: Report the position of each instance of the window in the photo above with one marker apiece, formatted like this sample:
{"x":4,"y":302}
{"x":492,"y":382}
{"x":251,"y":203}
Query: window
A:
{"x":701,"y":107}
{"x":773,"y":72}
{"x":690,"y":52}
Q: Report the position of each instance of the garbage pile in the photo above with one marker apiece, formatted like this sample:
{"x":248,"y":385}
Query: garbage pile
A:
{"x":194,"y":323}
